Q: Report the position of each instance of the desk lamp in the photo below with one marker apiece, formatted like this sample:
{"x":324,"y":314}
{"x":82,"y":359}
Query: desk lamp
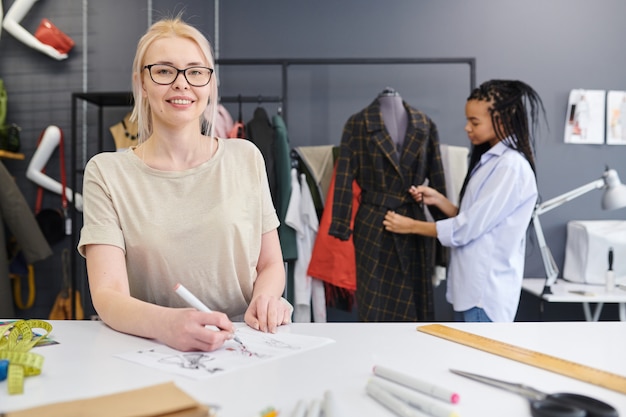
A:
{"x":614,"y":197}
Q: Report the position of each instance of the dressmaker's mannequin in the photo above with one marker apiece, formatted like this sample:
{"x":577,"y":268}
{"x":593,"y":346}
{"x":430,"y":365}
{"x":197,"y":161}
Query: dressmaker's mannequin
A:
{"x":11,"y":24}
{"x":394,"y":115}
{"x":49,"y":142}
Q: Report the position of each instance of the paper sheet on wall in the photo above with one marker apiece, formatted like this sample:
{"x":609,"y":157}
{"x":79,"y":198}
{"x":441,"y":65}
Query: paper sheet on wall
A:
{"x":616,"y":118}
{"x":585,"y":118}
{"x":257,"y":347}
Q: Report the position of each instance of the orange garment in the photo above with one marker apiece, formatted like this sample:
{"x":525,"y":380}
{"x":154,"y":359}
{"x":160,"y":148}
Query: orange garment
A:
{"x":333,"y":260}
{"x":238,"y":131}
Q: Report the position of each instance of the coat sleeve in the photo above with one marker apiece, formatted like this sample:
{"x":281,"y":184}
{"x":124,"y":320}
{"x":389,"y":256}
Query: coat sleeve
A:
{"x":347,"y":167}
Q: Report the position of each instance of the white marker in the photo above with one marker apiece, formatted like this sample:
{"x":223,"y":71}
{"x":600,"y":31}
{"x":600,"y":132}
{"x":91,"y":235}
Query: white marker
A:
{"x":193,"y":301}
{"x":417,"y":384}
{"x":315,"y":408}
{"x":396,"y":405}
{"x":424,"y":403}
{"x":300,"y":410}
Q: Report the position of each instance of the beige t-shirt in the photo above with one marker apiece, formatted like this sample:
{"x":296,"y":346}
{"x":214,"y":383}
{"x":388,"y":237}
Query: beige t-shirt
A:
{"x":201,"y":227}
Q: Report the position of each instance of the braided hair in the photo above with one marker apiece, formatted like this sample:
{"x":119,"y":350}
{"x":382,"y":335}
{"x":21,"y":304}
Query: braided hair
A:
{"x":512,"y":103}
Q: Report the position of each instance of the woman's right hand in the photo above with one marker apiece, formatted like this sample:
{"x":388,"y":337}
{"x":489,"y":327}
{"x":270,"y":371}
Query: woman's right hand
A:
{"x":425,"y":194}
{"x":193,"y":330}
{"x":432,"y":197}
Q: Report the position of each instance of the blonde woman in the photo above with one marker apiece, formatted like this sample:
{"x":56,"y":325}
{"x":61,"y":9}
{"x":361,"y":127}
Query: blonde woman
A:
{"x":183,"y":207}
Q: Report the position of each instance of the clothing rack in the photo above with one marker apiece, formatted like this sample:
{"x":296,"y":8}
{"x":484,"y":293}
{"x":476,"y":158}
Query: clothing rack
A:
{"x":251,"y":99}
{"x":285,"y":63}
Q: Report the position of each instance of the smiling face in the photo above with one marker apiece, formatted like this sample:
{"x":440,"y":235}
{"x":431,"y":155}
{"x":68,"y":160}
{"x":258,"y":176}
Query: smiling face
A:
{"x":179,"y":103}
{"x":479,"y":126}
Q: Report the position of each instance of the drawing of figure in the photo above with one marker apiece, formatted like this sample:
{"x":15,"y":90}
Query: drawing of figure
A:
{"x":622,"y":117}
{"x":280,"y":344}
{"x":244,"y":351}
{"x":582,"y":117}
{"x":193,"y":360}
{"x":615,"y":123}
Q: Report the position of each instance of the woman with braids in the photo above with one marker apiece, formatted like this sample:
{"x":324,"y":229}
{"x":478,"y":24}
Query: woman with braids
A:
{"x":487,"y":232}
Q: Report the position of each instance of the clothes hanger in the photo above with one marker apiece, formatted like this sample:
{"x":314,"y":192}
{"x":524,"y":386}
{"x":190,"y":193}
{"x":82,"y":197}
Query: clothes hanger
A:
{"x":240,"y":103}
{"x":295,"y":161}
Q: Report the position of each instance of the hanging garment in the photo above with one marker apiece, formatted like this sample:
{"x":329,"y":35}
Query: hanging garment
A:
{"x":393,"y":270}
{"x":319,"y":162}
{"x":22,"y":223}
{"x":260,"y":131}
{"x":286,"y":234}
{"x":238,"y":131}
{"x":333,"y":259}
{"x":301,"y":216}
{"x":454,"y":160}
{"x":223,"y":122}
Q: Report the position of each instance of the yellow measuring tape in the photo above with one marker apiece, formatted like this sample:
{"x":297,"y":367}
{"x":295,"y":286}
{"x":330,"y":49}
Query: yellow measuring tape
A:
{"x":540,"y":360}
{"x":16,"y":339}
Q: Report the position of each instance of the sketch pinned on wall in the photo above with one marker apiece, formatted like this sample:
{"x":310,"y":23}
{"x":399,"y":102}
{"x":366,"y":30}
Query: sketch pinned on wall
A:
{"x":257,"y":347}
{"x":616,"y":118}
{"x":585,"y":120}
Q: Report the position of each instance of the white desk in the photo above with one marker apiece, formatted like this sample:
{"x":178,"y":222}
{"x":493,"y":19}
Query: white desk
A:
{"x":83,"y":365}
{"x":562,"y":293}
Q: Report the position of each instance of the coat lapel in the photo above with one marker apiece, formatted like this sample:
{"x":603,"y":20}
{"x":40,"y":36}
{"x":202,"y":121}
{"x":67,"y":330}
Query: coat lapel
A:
{"x":379,"y":135}
{"x":413,"y":140}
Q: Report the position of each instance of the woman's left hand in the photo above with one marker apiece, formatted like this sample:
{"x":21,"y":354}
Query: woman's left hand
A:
{"x":267,"y":312}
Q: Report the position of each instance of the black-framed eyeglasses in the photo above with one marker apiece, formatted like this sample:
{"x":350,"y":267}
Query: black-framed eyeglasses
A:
{"x":165,"y":74}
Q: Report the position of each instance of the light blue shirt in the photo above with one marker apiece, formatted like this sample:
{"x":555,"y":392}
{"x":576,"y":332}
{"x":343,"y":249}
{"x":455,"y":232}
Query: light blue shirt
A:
{"x":488,"y":236}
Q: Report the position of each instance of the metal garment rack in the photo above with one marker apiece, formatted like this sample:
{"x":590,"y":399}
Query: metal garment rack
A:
{"x":121,"y":99}
{"x":285,"y":63}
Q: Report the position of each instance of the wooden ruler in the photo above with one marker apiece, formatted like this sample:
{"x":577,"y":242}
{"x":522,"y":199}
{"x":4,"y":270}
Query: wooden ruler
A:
{"x":540,"y":360}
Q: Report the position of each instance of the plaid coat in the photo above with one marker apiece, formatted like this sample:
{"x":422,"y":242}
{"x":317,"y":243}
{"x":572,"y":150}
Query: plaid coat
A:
{"x":393,"y":270}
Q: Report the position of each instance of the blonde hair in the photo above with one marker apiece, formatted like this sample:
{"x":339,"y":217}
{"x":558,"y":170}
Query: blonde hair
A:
{"x":172,"y":27}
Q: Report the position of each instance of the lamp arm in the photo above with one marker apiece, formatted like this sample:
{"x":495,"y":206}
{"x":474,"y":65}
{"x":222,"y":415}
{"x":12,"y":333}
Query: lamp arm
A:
{"x":549,"y":264}
{"x":568,"y":196}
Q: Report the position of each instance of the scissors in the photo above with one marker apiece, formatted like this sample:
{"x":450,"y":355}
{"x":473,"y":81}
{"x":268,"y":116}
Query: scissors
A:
{"x":550,"y":405}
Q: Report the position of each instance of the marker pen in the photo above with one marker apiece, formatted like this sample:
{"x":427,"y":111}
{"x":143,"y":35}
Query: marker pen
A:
{"x":424,"y":403}
{"x":417,"y":384}
{"x":315,"y":408}
{"x":394,"y":404}
{"x":193,"y":301}
{"x":300,"y":410}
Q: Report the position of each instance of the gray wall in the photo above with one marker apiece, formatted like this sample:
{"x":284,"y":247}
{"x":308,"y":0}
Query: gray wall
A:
{"x":554,"y":46}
